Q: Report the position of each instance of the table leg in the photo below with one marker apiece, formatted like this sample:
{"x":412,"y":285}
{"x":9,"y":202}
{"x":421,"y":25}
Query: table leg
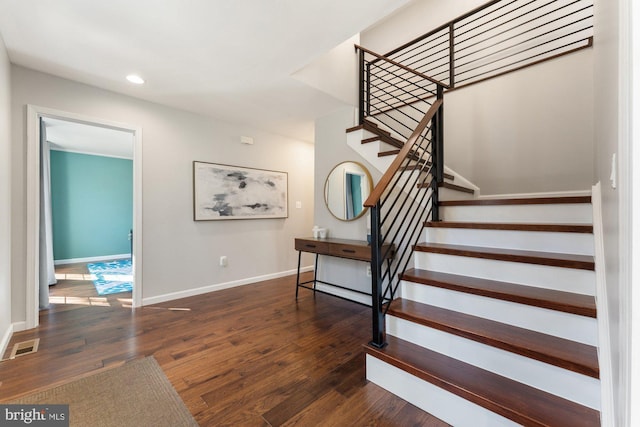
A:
{"x":298,"y":276}
{"x":315,"y":276}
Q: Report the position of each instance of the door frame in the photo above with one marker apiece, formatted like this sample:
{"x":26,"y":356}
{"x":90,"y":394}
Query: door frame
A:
{"x":34,"y":113}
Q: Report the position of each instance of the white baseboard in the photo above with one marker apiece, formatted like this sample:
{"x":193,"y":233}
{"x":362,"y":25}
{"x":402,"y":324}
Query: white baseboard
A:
{"x":220,"y":286}
{"x":91,"y":259}
{"x":19,"y":326}
{"x":548,"y":194}
{"x":6,"y":337}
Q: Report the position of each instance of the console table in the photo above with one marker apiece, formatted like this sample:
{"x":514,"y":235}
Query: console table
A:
{"x":358,"y":250}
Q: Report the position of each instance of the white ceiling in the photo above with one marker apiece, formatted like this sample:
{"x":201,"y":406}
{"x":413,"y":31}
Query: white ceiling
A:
{"x":87,"y":139}
{"x":228,"y":59}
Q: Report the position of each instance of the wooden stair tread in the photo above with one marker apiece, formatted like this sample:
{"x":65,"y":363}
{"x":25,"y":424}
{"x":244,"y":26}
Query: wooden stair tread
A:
{"x":413,"y":156}
{"x":556,"y":228}
{"x":388,"y":153}
{"x":455,"y":187}
{"x":450,"y":186}
{"x":582,"y":305}
{"x":518,"y":402}
{"x":419,"y":166}
{"x":384,"y":138}
{"x":369,"y":126}
{"x":571,"y":355}
{"x":519,"y":201}
{"x":582,"y":262}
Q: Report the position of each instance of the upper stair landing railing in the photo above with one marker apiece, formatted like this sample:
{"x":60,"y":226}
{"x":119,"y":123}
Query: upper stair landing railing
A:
{"x":394,"y":95}
{"x":498,"y":37}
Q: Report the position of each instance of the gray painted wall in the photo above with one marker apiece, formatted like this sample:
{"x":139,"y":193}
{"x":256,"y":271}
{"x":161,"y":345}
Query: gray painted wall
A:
{"x":178,"y":253}
{"x":5,"y":194}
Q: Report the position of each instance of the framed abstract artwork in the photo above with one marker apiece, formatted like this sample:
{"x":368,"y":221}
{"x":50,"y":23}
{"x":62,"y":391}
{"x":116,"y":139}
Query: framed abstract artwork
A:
{"x":223,"y":192}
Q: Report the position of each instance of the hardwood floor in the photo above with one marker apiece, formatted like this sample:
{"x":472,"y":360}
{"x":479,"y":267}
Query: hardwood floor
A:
{"x":75,"y":290}
{"x":246,"y":356}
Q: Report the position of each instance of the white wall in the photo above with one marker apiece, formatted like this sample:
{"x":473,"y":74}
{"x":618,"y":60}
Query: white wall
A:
{"x":529,"y":131}
{"x":335,"y":72}
{"x":179,"y":254}
{"x":412,"y":21}
{"x":5,"y":197}
{"x":610,"y":96}
{"x":526,"y":132}
{"x":634,"y":189}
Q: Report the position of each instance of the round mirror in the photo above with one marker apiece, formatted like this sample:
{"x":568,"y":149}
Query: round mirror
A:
{"x":346,"y":189}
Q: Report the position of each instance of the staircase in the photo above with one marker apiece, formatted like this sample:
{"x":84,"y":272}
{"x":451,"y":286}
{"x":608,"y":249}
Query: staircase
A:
{"x":496,"y":323}
{"x":486,"y":315}
{"x":380,"y":147}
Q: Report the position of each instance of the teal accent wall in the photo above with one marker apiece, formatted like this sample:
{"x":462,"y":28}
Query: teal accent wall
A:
{"x":92,"y":205}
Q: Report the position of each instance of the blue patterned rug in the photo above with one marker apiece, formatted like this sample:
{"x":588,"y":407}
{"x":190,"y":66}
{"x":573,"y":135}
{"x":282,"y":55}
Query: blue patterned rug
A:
{"x":112,"y":277}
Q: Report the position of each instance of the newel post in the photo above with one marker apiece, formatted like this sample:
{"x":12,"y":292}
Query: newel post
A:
{"x":361,"y":104}
{"x":437,"y":128}
{"x":452,"y":58}
{"x":378,"y":339}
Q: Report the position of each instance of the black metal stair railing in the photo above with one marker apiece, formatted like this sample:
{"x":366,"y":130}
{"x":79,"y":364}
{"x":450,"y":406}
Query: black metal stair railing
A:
{"x":498,"y":37}
{"x":392,"y":95}
{"x":405,"y":197}
{"x":409,"y":104}
{"x":402,"y":92}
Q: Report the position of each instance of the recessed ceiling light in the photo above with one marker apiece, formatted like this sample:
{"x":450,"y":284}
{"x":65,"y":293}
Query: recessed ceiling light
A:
{"x":133,"y":78}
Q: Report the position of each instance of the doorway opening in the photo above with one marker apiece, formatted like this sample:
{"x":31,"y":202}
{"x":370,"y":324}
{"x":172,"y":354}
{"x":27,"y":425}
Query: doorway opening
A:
{"x":56,"y":121}
{"x":90,"y":203}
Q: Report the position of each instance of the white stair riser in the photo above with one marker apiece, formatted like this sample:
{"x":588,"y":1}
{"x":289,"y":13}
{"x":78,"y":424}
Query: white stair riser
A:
{"x":440,"y":403}
{"x":572,"y":386}
{"x":559,"y":278}
{"x":564,"y":325}
{"x":570,"y":243}
{"x":570,"y":213}
{"x":369,"y":151}
{"x":379,"y":145}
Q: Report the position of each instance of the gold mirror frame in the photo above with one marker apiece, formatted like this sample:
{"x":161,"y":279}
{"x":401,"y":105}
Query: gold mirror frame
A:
{"x":337,"y":193}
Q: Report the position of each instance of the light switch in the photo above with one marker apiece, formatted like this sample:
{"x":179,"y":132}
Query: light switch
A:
{"x":614,"y":172}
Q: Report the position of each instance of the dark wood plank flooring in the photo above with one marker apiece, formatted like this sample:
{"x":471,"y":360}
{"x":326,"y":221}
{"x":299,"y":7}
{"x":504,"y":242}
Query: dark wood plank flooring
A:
{"x":246,"y":356}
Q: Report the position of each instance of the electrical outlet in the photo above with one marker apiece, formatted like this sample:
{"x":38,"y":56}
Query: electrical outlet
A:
{"x":223,"y":261}
{"x":368,"y":270}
